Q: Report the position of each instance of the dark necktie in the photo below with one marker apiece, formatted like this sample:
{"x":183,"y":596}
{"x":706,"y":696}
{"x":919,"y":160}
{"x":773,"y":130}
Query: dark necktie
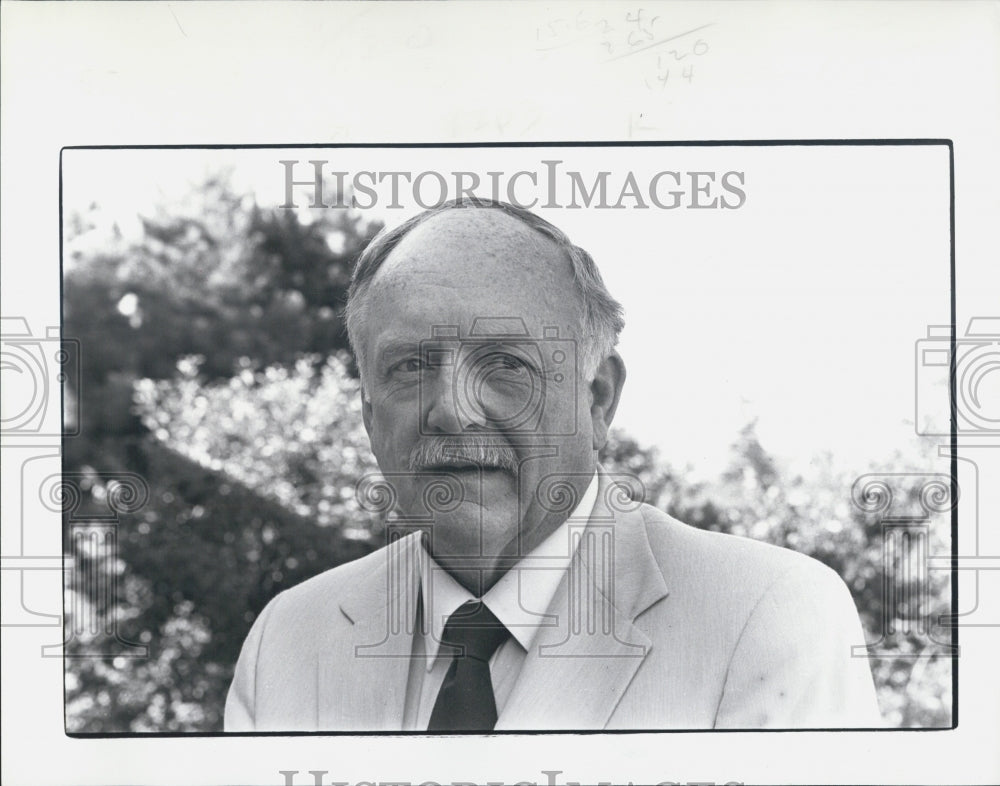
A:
{"x":466,"y":701}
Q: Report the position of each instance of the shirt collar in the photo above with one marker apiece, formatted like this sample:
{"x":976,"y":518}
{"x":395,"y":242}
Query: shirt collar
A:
{"x":520,"y":598}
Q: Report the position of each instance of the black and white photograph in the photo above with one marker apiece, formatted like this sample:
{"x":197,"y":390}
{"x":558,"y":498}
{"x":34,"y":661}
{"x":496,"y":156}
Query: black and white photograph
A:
{"x":490,"y":406}
{"x":340,"y":399}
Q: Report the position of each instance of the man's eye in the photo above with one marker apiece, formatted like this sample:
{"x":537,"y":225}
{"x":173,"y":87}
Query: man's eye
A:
{"x":512,"y":362}
{"x":409,"y":366}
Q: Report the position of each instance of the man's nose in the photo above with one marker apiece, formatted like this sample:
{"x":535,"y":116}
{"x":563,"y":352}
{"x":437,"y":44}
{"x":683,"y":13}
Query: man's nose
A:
{"x":444,"y":411}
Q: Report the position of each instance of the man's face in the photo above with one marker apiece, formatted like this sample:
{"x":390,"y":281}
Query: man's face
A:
{"x":454,"y":397}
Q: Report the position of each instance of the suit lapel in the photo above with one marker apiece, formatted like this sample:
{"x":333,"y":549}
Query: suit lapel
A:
{"x":578,"y":669}
{"x":361,"y":680}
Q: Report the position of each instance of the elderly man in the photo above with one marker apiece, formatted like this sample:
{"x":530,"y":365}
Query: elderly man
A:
{"x":522,"y":589}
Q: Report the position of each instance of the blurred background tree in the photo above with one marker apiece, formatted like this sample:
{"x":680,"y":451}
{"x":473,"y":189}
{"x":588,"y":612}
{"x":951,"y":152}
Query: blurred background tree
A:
{"x":214,"y":289}
{"x":215,"y":365}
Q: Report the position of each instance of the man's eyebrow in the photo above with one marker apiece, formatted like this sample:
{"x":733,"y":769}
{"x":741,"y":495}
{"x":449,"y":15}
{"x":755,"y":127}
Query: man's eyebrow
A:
{"x":394,"y":349}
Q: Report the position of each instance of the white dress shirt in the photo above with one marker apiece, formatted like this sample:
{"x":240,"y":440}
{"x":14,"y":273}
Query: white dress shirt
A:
{"x":519,"y":600}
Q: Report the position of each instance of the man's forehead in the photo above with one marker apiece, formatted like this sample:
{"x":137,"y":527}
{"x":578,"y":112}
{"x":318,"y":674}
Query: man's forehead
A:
{"x":476,"y":242}
{"x":477,"y":270}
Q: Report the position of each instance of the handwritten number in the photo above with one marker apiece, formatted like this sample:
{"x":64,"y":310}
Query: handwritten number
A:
{"x":688,"y":73}
{"x":700,"y":47}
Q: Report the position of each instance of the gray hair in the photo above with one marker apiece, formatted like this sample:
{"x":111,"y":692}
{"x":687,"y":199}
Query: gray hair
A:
{"x":603,"y":315}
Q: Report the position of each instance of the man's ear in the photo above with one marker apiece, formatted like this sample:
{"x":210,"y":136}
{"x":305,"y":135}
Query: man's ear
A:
{"x":605,"y":390}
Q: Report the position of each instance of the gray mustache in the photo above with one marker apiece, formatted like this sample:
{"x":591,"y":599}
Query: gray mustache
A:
{"x":449,"y":451}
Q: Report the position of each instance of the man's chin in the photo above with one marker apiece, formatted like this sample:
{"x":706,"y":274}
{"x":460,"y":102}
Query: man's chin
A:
{"x":473,"y":530}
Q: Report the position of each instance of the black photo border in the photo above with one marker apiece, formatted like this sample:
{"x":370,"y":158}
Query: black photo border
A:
{"x":853,"y":142}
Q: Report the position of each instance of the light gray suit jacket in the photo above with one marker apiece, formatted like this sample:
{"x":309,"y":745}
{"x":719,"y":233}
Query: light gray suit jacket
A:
{"x":657,"y":625}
